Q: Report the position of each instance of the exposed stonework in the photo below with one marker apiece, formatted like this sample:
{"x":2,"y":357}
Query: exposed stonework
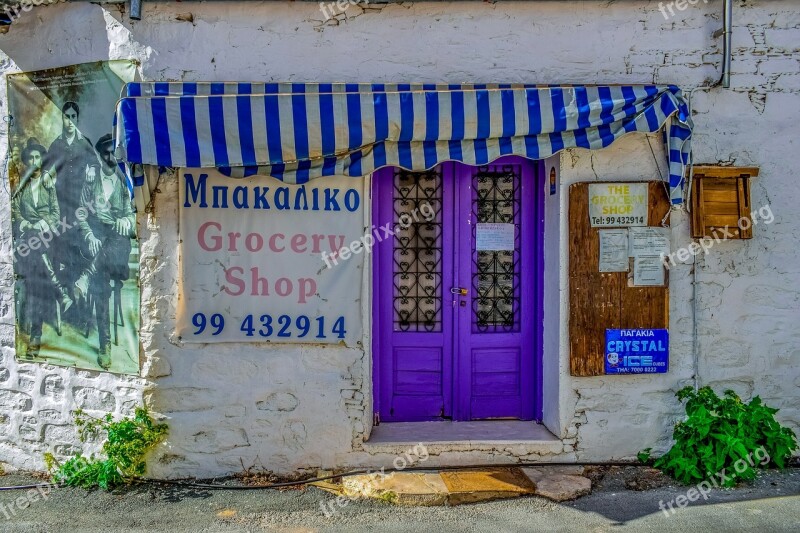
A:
{"x":302,"y":407}
{"x":563,"y":487}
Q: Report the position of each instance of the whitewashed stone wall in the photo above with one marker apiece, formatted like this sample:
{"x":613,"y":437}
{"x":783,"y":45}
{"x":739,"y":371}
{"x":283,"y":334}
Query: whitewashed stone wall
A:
{"x":302,"y":407}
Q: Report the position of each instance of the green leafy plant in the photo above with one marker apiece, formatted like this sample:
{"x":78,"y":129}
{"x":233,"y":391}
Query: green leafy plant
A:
{"x":125,"y":449}
{"x":724,"y":435}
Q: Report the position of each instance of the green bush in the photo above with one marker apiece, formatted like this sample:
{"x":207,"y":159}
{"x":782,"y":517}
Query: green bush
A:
{"x":127,"y":444}
{"x":717,"y":433}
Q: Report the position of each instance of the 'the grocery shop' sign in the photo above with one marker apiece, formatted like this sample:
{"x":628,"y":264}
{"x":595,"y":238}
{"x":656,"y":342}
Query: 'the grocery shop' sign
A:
{"x":251,"y":259}
{"x":618,"y":204}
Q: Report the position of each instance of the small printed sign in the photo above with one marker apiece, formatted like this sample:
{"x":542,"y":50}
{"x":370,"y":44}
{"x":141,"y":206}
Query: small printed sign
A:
{"x":613,"y":250}
{"x":637,"y":351}
{"x":649,"y":240}
{"x":648,"y":271}
{"x":494,"y":237}
{"x":618,"y":204}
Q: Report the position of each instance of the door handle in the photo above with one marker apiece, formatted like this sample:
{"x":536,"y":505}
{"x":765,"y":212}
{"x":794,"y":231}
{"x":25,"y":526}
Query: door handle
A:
{"x":458,"y":290}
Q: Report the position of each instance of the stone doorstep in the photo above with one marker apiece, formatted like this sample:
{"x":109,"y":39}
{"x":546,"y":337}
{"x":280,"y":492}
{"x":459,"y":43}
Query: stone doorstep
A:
{"x":470,"y":486}
{"x":404,"y":488}
{"x":463,"y":486}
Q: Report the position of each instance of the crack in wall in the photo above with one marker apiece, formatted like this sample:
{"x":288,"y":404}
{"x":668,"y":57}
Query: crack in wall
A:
{"x":351,"y":12}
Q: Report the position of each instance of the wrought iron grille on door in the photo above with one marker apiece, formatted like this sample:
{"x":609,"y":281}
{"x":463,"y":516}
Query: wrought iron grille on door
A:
{"x":496,"y":198}
{"x":418,"y":249}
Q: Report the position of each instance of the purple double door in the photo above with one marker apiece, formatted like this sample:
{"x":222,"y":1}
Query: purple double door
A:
{"x":457,"y":292}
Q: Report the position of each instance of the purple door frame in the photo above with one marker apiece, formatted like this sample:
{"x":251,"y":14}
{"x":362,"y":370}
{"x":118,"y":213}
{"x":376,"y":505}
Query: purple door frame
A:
{"x":452,"y":348}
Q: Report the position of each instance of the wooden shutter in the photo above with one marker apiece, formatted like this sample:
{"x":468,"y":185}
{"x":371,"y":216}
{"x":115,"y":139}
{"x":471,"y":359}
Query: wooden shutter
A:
{"x":721,"y":199}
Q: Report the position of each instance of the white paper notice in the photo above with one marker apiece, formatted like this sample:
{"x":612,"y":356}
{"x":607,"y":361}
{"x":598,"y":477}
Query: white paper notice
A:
{"x":649,"y":241}
{"x":494,"y":237}
{"x":648,"y":271}
{"x":613,"y":250}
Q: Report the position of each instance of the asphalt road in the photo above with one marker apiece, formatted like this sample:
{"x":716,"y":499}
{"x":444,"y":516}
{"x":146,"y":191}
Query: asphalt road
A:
{"x":770,"y":504}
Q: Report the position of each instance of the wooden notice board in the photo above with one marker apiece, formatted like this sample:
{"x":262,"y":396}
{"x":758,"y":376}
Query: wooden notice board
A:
{"x":600,"y":300}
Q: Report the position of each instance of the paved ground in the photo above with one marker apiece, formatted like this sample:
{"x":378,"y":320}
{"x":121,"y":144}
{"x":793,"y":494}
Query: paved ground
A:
{"x":770,"y":504}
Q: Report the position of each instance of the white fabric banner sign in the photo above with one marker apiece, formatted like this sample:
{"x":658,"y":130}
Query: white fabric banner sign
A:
{"x":261,"y":259}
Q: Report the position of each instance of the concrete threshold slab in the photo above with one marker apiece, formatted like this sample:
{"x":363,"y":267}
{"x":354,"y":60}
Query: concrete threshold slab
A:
{"x":459,"y":432}
{"x":463,"y":436}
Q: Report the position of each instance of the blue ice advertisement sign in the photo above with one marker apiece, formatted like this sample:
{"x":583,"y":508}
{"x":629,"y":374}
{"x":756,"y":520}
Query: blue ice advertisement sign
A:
{"x":637,"y":351}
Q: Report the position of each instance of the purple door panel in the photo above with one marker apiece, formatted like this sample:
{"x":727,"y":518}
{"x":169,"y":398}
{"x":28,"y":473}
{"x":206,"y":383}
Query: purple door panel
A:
{"x":458,"y":330}
{"x":495,"y":348}
{"x":413,"y":273}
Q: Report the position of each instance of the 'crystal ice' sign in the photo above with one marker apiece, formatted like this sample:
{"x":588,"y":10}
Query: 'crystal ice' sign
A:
{"x":637,"y":351}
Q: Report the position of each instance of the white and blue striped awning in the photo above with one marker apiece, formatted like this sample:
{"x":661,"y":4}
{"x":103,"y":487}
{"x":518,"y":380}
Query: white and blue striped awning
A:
{"x":299,"y":131}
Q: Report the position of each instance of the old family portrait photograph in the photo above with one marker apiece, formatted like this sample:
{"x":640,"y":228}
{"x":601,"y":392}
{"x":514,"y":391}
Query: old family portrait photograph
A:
{"x":74,"y":227}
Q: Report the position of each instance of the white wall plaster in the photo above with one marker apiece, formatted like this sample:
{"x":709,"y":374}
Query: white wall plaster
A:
{"x":288,"y":408}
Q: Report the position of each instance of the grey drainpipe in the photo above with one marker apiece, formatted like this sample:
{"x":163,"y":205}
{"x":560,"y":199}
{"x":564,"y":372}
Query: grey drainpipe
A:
{"x":726,"y":47}
{"x":136,"y":9}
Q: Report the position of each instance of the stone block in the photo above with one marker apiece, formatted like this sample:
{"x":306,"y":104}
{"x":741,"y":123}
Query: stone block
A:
{"x":26,"y":383}
{"x":180,"y":399}
{"x":6,"y":468}
{"x":234,"y":411}
{"x":563,"y":487}
{"x":49,"y":415}
{"x":59,"y":433}
{"x":216,"y":440}
{"x":278,"y":401}
{"x":779,"y":65}
{"x":403,"y":488}
{"x":602,"y":401}
{"x":15,"y":401}
{"x":788,"y":39}
{"x":128,"y":407}
{"x":66,"y":450}
{"x":226,"y":370}
{"x":294,"y":434}
{"x":788,"y":81}
{"x":127,"y":392}
{"x":483,"y":485}
{"x":729,"y":353}
{"x":156,"y":367}
{"x":169,"y":458}
{"x":94,"y":399}
{"x":53,"y":387}
{"x":741,"y":39}
{"x":29,"y":433}
{"x":538,"y":473}
{"x":743,"y":387}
